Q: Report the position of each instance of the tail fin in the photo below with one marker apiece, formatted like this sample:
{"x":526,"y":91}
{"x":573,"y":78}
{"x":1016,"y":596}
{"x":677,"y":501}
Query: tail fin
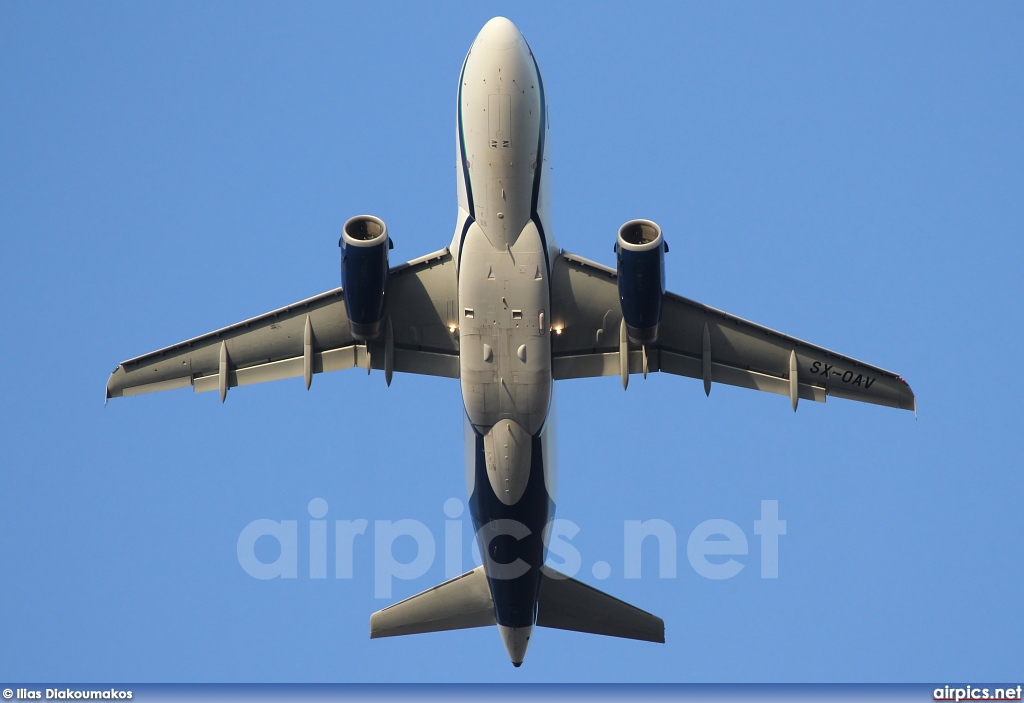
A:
{"x":567,"y":604}
{"x":465,"y":601}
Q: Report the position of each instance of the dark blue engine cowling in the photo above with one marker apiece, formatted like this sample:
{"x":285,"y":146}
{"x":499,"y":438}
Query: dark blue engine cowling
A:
{"x":364,"y":273}
{"x":641,"y":271}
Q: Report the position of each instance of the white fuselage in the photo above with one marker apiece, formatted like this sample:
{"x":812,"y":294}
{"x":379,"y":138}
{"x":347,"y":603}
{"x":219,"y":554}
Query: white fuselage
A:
{"x":504,"y":251}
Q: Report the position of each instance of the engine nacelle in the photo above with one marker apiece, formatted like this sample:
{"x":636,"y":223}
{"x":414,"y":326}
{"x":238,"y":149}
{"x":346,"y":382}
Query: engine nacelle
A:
{"x":640,"y":263}
{"x":364,"y":273}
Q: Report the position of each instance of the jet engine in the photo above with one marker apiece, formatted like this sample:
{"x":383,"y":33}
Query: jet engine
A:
{"x":640,"y":264}
{"x":364,"y":273}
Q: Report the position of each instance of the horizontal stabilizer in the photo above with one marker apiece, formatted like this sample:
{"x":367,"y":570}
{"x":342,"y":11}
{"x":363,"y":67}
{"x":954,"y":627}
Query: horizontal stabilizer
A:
{"x":567,"y":604}
{"x":463,"y":602}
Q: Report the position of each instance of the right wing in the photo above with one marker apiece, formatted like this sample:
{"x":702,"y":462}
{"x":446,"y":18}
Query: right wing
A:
{"x":701,"y":342}
{"x":313,"y":336}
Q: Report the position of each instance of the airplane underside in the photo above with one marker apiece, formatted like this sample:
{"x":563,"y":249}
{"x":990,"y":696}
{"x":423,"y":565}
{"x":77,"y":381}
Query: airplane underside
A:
{"x":507,"y":312}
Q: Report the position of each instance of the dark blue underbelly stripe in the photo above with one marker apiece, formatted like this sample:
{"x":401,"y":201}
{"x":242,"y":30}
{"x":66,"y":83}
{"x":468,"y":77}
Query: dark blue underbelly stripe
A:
{"x":465,"y":168}
{"x":462,"y":144}
{"x":535,"y":197}
{"x":514,"y":599}
{"x":462,"y":240}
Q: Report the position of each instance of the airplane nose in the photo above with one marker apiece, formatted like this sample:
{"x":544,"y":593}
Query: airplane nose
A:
{"x":499,"y":33}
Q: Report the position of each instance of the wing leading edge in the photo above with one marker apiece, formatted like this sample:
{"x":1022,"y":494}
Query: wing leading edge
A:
{"x":313,"y":336}
{"x":700,"y":342}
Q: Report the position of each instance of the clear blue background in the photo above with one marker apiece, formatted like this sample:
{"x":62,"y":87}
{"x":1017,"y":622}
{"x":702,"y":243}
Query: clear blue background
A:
{"x":847,"y":173}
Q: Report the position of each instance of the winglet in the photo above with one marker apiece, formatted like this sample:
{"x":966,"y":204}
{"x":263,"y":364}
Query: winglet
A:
{"x":106,"y":388}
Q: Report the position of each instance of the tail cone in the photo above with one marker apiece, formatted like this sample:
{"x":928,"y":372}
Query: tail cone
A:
{"x":516,"y":640}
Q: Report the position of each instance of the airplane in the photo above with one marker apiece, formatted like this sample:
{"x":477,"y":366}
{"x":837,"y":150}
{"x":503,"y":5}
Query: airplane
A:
{"x":507,"y":312}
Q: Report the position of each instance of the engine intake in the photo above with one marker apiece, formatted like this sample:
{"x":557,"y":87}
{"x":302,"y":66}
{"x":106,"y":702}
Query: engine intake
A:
{"x":640,"y":250}
{"x":364,"y":273}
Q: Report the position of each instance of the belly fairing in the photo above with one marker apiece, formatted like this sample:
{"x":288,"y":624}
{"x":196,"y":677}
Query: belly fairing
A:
{"x":504,"y":345}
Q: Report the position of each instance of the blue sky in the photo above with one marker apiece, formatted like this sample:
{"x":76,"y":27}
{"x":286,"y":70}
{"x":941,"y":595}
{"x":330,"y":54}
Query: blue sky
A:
{"x":851,"y":174}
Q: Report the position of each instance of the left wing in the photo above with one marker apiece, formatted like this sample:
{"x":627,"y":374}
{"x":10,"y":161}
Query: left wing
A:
{"x":313,"y":336}
{"x":701,"y":342}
